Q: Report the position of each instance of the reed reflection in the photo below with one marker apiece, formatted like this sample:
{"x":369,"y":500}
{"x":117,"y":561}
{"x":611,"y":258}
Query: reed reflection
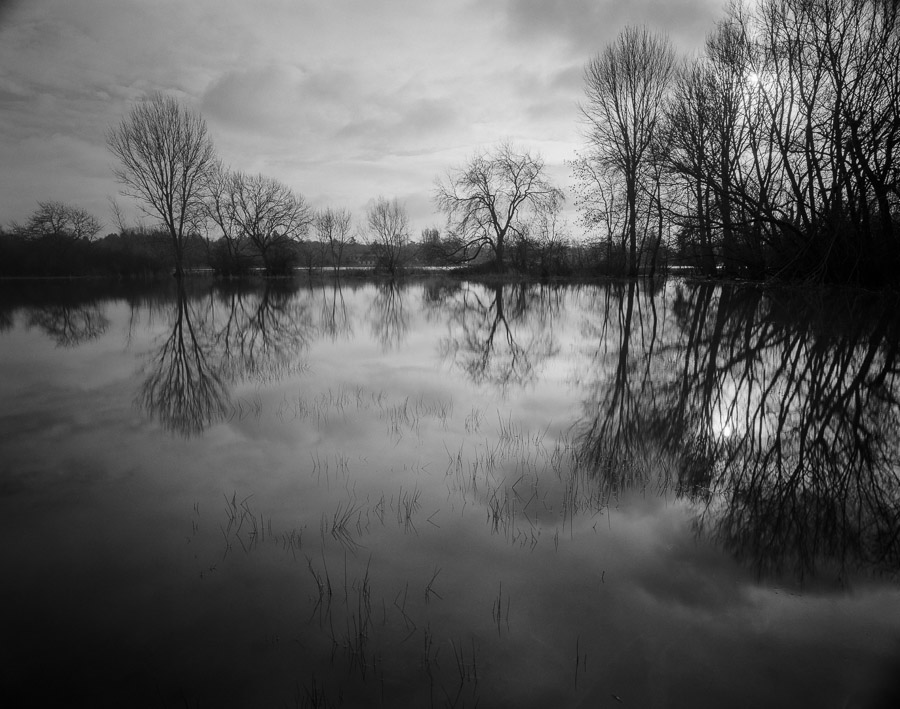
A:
{"x":498,"y":335}
{"x":778,"y":415}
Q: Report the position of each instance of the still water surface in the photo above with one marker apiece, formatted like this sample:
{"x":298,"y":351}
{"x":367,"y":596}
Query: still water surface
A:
{"x":449,"y":494}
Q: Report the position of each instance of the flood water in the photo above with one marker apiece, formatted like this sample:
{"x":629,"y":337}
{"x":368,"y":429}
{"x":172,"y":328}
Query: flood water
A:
{"x":449,"y":494}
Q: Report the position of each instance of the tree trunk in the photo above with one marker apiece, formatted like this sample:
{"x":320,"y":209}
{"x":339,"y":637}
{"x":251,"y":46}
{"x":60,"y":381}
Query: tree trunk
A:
{"x":631,"y":197}
{"x":499,"y":252}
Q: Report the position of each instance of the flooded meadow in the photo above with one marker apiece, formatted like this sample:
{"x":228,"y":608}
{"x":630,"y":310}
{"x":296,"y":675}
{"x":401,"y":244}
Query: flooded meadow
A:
{"x":443,"y":493}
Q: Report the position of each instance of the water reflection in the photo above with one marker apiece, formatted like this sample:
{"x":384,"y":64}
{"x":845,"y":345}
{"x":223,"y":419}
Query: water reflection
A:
{"x":183,"y":385}
{"x":70,"y":326}
{"x":335,"y":318}
{"x":259,"y":334}
{"x":777,"y":415}
{"x":389,"y":318}
{"x":218,"y":337}
{"x":498,"y":335}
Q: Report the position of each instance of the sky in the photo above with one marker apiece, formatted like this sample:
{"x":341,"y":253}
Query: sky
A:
{"x":342,"y":100}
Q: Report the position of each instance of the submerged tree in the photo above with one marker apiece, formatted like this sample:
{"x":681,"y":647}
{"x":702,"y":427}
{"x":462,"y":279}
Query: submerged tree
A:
{"x":231,"y":253}
{"x":388,"y":225}
{"x":625,"y":87}
{"x":783,"y":141}
{"x":166,"y":155}
{"x":271,"y":216}
{"x":332,"y":228}
{"x":492,"y":198}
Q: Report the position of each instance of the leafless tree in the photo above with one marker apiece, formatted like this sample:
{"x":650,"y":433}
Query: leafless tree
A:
{"x":600,"y":198}
{"x":56,"y":219}
{"x":271,"y":216}
{"x":625,"y":88}
{"x":119,"y":220}
{"x":784,"y":136}
{"x":165,"y":155}
{"x":689,"y":137}
{"x":549,"y":238}
{"x":388,"y":232}
{"x":231,"y":252}
{"x":332,"y":227}
{"x":491,"y":198}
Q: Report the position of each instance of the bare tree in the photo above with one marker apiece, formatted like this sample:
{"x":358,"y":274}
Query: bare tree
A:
{"x":271,"y":216}
{"x":120,"y":220}
{"x":332,"y":228}
{"x":165,"y":154}
{"x":230,"y":253}
{"x":549,"y":240}
{"x":56,"y":219}
{"x":690,"y":119}
{"x":600,"y":199}
{"x":492,"y":197}
{"x":388,"y":234}
{"x":625,"y":86}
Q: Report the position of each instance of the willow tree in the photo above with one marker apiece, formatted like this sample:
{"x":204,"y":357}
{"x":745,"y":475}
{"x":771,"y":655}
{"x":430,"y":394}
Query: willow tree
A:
{"x":625,"y":88}
{"x":165,"y":156}
{"x":494,"y":197}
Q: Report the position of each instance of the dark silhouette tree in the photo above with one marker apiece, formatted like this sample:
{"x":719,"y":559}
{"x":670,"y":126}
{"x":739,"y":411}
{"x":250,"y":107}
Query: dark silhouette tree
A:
{"x":58,"y":220}
{"x":332,"y":229}
{"x":165,"y":156}
{"x":388,"y":233}
{"x":271,"y":216}
{"x":231,"y":255}
{"x":625,"y":88}
{"x":490,"y":200}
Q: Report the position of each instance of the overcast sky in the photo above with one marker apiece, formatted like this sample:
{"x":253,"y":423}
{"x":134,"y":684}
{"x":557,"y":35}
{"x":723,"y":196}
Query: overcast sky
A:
{"x":343,"y":100}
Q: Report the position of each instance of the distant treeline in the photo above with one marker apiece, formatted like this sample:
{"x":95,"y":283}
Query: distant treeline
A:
{"x":147,"y":254}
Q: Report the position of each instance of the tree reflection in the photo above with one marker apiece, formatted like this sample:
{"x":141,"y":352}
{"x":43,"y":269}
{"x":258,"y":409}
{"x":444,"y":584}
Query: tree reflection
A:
{"x":183,"y":387}
{"x":334,"y":315}
{"x":217,"y":338}
{"x":390,"y":321}
{"x":262,"y":334}
{"x":70,"y":325}
{"x":498,"y":334}
{"x":779,"y":417}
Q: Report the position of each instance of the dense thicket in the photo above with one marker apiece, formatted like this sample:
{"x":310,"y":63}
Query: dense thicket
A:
{"x":776,"y":154}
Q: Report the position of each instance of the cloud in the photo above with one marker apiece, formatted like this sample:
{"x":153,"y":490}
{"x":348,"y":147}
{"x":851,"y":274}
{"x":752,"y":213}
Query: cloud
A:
{"x":587,"y":25}
{"x":45,"y":164}
{"x":340,"y":99}
{"x":398,"y":125}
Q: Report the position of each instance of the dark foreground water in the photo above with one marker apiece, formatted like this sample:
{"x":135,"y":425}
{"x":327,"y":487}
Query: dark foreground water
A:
{"x":448,"y":494}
